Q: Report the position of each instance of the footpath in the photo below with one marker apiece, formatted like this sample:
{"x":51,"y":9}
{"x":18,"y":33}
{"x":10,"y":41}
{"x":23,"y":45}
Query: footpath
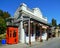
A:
{"x":34,"y":44}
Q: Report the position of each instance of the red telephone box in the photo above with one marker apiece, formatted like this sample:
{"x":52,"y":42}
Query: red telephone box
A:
{"x":12,"y":35}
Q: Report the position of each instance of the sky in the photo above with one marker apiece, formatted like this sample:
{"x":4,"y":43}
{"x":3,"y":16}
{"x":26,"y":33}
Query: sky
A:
{"x":49,"y":8}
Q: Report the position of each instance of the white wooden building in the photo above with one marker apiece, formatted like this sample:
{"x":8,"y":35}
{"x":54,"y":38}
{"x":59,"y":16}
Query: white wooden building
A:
{"x":31,"y":23}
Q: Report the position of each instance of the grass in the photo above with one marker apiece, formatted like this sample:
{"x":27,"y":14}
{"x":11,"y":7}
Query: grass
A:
{"x":0,"y":44}
{"x":2,"y":36}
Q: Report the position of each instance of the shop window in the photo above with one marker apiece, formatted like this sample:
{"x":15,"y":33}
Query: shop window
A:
{"x":32,"y":29}
{"x":26,"y":31}
{"x":37,"y":30}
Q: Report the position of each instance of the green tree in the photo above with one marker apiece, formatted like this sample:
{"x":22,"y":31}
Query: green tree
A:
{"x":1,"y":13}
{"x":54,"y":23}
{"x":3,"y":16}
{"x":59,"y":26}
{"x":6,"y":15}
{"x":2,"y":25}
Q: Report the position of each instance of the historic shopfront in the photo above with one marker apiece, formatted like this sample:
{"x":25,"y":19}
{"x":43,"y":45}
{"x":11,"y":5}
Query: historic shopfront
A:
{"x":32,"y":26}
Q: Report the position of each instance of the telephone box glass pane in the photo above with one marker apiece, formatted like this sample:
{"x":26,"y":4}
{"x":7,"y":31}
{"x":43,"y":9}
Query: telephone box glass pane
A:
{"x":14,"y":34}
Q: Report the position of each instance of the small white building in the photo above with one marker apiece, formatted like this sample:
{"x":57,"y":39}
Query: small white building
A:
{"x":31,"y":23}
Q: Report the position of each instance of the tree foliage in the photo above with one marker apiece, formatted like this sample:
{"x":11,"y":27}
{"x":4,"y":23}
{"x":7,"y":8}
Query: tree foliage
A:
{"x":59,"y":26}
{"x":54,"y":23}
{"x":3,"y":16}
{"x":1,"y":13}
{"x":6,"y":15}
{"x":2,"y":25}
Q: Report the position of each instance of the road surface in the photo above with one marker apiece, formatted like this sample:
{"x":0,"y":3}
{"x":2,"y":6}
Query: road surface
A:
{"x":51,"y":43}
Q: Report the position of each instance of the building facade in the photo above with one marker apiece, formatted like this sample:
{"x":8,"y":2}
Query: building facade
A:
{"x":32,"y":25}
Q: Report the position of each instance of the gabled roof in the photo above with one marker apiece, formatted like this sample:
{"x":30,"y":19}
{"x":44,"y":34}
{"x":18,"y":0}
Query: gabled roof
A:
{"x":35,"y":13}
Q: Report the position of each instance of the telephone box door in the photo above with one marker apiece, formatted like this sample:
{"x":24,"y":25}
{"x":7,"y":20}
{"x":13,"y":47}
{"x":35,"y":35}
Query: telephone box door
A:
{"x":12,"y":35}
